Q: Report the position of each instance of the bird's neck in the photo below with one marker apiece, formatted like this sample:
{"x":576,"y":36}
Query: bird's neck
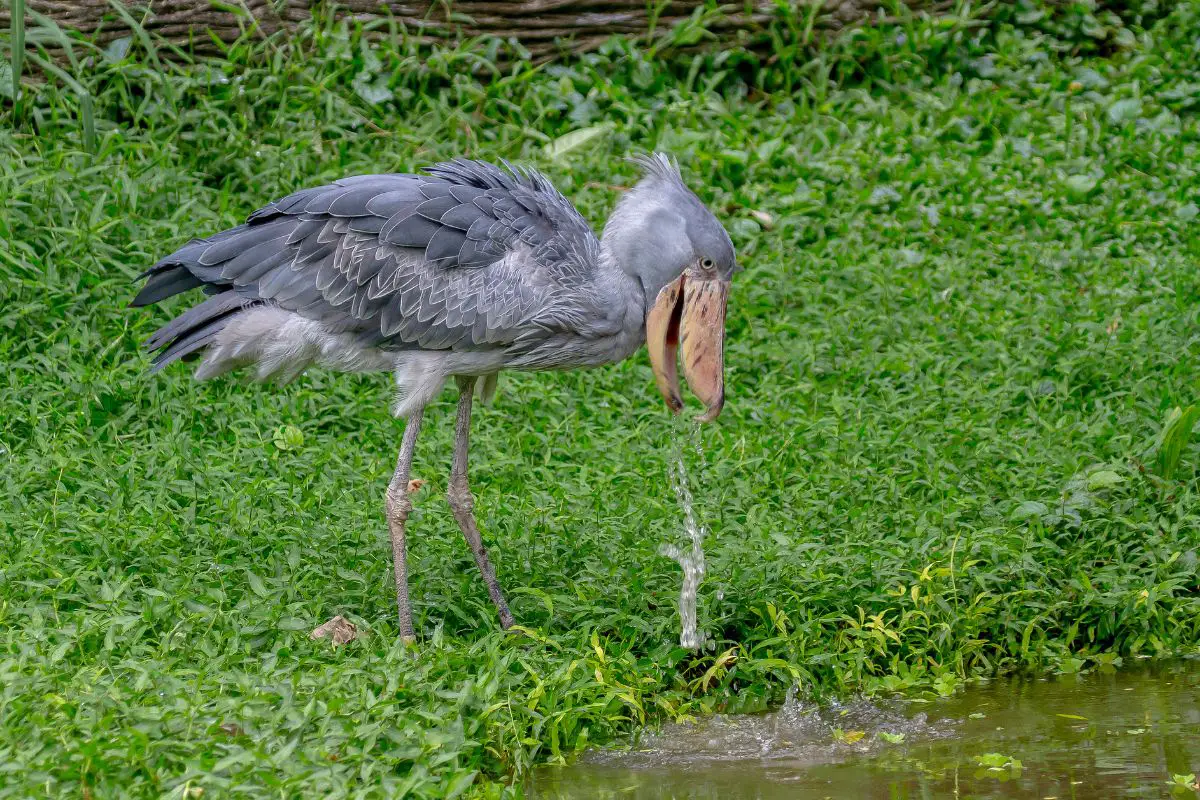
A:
{"x":620,"y":259}
{"x":626,"y":292}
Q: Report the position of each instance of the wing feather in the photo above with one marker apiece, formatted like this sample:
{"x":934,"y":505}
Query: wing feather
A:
{"x":469,"y":255}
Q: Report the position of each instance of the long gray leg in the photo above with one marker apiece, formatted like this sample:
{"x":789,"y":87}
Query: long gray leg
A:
{"x":398,"y":507}
{"x":462,"y":504}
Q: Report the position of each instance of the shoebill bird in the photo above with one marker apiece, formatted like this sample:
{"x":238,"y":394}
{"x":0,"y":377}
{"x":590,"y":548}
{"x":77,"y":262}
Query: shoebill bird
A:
{"x":460,"y":272}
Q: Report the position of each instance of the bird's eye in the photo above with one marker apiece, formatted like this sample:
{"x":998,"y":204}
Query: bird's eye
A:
{"x":707,"y":263}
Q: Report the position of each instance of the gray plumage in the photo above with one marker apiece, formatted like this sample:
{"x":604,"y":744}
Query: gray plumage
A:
{"x":468,"y":257}
{"x":460,"y":272}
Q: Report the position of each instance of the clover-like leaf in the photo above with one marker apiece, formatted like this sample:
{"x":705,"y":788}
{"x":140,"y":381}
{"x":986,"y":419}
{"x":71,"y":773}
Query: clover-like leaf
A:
{"x":288,"y":437}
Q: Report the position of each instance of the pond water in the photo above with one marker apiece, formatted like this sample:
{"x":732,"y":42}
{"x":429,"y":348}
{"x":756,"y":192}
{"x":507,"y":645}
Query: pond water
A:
{"x":1105,"y":735}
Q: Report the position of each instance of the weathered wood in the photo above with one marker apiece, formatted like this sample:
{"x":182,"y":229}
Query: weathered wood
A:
{"x":544,"y":27}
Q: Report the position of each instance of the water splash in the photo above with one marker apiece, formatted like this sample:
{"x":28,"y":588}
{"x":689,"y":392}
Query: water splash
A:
{"x":796,"y":734}
{"x":690,"y":559}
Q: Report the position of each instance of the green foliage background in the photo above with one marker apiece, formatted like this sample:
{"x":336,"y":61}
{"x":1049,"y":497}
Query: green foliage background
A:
{"x":968,"y":311}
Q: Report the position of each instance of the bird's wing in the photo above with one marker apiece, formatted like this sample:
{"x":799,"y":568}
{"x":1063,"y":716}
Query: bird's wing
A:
{"x":468,"y":256}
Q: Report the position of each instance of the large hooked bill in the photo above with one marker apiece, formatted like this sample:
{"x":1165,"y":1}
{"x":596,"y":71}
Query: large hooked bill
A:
{"x":689,"y":314}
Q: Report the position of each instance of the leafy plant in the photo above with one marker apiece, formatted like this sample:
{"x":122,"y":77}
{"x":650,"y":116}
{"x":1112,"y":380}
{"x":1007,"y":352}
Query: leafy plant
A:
{"x":1175,"y":435}
{"x":999,"y":765}
{"x":848,"y":737}
{"x":1184,"y":783}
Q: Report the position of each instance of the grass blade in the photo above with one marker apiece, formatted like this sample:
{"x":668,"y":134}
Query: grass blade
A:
{"x":18,"y":46}
{"x":87,"y":116}
{"x":87,"y":120}
{"x":1175,"y":435}
{"x":139,"y":31}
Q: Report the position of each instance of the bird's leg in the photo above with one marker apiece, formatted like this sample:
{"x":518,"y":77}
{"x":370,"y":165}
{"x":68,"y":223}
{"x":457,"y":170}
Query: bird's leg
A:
{"x":462,"y":504}
{"x":398,"y":507}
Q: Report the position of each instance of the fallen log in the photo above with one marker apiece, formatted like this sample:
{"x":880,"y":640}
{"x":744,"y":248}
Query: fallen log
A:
{"x":544,"y":27}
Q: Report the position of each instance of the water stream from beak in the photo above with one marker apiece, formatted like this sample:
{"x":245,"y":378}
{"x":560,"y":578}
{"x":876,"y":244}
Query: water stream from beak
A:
{"x":691,"y":558}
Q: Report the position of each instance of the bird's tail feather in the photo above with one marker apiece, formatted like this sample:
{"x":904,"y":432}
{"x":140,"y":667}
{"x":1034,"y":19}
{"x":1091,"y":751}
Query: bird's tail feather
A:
{"x":172,"y":275}
{"x":182,"y":271}
{"x":195,"y":328}
{"x":166,"y":282}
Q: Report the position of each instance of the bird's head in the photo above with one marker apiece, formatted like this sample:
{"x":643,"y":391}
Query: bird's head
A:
{"x":662,"y":235}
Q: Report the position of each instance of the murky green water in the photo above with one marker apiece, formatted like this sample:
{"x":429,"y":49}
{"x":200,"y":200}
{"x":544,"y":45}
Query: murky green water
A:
{"x":1101,"y":735}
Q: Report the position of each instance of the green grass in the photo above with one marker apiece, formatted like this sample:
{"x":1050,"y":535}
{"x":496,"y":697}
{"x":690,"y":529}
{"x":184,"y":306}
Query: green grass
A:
{"x":971,"y":310}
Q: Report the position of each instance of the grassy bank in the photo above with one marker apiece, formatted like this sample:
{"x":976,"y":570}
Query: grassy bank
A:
{"x":969,"y":306}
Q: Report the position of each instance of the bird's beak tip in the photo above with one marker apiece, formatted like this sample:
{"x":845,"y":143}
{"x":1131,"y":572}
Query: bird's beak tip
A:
{"x":712,"y":412}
